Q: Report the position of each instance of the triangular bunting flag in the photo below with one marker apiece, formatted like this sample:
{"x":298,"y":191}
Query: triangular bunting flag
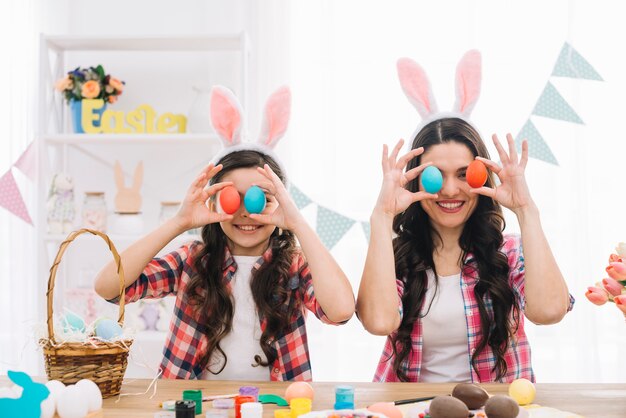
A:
{"x":331,"y":226}
{"x":11,"y":198}
{"x":366,"y":230}
{"x":537,"y":146}
{"x":27,"y":163}
{"x":552,"y":105}
{"x":571,"y":64}
{"x":301,"y":200}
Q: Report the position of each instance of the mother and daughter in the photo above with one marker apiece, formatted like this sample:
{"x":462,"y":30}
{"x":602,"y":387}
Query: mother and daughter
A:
{"x":441,"y":281}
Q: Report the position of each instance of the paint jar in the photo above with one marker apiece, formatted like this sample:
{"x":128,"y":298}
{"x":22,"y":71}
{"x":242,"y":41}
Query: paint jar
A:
{"x":344,"y":397}
{"x":196,"y":396}
{"x":241,"y":400}
{"x":300,"y":406}
{"x":252,"y":410}
{"x":250,"y":391}
{"x":185,"y":409}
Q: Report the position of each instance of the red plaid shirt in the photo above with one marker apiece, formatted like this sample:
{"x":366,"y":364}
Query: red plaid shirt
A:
{"x":186,"y":344}
{"x":517,"y":356}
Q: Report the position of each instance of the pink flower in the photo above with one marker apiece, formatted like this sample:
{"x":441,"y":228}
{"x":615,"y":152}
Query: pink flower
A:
{"x":615,"y":258}
{"x":612,"y":286}
{"x":617,"y":270}
{"x":91,"y":89}
{"x":596,"y":295}
{"x":116,"y":84}
{"x":63,"y":84}
{"x":620,"y":302}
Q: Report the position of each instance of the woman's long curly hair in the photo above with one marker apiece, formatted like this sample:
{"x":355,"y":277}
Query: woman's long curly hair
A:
{"x":482,"y":236}
{"x":270,"y":284}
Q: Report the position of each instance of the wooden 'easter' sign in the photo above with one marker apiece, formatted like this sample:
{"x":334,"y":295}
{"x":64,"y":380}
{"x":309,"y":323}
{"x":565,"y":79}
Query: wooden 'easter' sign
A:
{"x":141,"y":120}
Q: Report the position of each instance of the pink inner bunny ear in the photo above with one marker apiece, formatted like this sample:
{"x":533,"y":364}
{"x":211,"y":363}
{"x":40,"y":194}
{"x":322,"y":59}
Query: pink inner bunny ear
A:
{"x":226,"y":115}
{"x":468,"y":78}
{"x":276,"y":117}
{"x":416,"y":86}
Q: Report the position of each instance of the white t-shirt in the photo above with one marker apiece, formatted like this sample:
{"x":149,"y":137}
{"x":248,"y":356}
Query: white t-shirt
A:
{"x":242,"y":343}
{"x":445,"y":353}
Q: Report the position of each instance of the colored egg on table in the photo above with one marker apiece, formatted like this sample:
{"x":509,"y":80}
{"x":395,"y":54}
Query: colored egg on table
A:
{"x":523,"y":391}
{"x":254,"y":200}
{"x":73,"y":323}
{"x":108,"y":329}
{"x":229,"y":200}
{"x":476,"y":174}
{"x":299,"y":390}
{"x":431,"y":179}
{"x":501,"y":406}
{"x":388,"y":409}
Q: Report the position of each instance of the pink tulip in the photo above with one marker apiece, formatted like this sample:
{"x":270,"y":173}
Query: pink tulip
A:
{"x":612,"y":286}
{"x":620,"y":302}
{"x":617,"y":271}
{"x":596,"y":295}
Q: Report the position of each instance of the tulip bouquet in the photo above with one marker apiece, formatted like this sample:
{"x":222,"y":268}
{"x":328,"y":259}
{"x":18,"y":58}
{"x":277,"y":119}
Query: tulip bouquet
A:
{"x":612,"y":289}
{"x":90,"y":83}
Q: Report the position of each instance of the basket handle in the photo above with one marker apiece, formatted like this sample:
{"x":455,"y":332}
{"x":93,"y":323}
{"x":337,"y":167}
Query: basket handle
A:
{"x":55,"y":266}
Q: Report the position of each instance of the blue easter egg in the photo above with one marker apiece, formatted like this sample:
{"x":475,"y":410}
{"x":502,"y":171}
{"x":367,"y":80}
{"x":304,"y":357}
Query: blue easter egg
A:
{"x":254,"y":200}
{"x":73,"y":323}
{"x":431,"y":179}
{"x":108,"y":329}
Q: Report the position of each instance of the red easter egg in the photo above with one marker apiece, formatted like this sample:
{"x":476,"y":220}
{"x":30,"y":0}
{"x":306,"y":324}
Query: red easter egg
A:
{"x":230,"y":199}
{"x":476,"y":174}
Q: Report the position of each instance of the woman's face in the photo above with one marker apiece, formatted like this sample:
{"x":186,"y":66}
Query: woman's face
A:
{"x":455,"y":203}
{"x":247,"y":236}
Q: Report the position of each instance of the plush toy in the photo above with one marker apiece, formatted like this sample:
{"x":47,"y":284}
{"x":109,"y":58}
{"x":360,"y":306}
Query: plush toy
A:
{"x":60,"y":204}
{"x":28,"y":405}
{"x":612,"y":289}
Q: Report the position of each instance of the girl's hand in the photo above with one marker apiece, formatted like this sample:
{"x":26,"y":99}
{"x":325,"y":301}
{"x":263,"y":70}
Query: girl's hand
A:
{"x":513,"y":191}
{"x":194,"y":212}
{"x":394,"y":198}
{"x":280,"y":210}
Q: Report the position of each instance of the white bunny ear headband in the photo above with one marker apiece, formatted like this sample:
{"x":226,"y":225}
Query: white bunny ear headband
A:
{"x":227,"y":120}
{"x":416,"y":86}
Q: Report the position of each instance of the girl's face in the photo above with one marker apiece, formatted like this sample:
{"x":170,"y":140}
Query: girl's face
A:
{"x":455,"y":204}
{"x":247,"y":236}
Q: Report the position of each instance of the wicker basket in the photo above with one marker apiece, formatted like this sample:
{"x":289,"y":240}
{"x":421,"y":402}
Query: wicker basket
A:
{"x":102,"y":362}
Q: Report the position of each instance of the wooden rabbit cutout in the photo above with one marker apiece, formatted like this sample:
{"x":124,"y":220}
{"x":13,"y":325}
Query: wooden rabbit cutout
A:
{"x":128,"y":199}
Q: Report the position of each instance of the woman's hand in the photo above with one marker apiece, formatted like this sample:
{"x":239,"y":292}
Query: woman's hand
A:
{"x":512,"y":192}
{"x":393,"y":197}
{"x":194,"y":212}
{"x":280,"y":210}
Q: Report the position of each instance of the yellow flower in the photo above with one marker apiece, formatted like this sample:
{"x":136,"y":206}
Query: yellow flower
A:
{"x":64,"y":84}
{"x":116,"y":84}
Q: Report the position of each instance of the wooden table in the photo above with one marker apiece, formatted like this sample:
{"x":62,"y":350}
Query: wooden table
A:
{"x":590,"y":400}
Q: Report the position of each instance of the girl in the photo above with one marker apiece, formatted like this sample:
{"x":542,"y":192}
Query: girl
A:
{"x":449,"y":289}
{"x":241,"y":293}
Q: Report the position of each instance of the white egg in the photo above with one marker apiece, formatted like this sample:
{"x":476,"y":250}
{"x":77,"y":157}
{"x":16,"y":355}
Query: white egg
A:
{"x":48,"y":407}
{"x":71,"y":404}
{"x":56,"y":388}
{"x":92,"y":393}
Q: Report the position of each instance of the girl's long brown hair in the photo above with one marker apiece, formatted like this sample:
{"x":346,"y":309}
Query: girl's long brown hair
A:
{"x":482,"y":236}
{"x":270,"y":283}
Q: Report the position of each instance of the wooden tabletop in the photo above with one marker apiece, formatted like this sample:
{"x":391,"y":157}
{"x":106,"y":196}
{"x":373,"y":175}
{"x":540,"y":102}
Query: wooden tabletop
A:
{"x":589,"y":400}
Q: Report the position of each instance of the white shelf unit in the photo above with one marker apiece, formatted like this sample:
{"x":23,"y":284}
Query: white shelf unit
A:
{"x":171,"y":161}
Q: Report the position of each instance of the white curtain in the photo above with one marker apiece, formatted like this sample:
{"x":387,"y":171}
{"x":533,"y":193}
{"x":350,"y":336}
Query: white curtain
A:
{"x":18,"y":253}
{"x":348,"y":102}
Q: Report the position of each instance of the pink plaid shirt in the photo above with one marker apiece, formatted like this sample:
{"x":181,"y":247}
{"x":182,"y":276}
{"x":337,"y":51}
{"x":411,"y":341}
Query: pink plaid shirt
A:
{"x":186,"y":343}
{"x":517,"y":356}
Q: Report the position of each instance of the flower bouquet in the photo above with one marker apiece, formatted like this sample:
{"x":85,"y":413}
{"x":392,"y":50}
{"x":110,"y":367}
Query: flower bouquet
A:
{"x":88,"y":84}
{"x":612,"y":289}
